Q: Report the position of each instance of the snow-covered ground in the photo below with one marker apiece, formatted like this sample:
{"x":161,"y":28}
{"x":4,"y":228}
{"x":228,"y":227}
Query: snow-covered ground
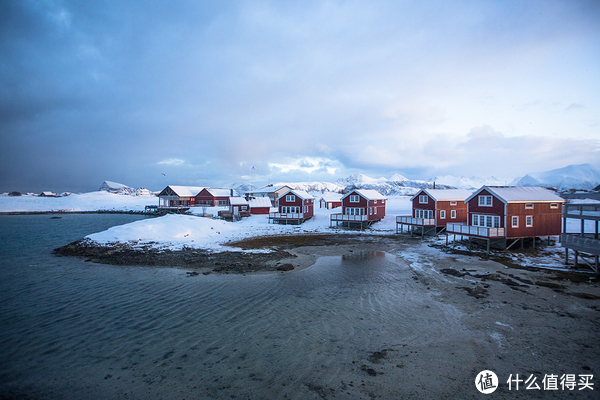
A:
{"x":92,"y":201}
{"x":177,"y":231}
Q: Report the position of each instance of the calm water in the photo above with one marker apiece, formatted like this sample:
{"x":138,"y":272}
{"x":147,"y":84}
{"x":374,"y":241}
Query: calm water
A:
{"x":71,"y":329}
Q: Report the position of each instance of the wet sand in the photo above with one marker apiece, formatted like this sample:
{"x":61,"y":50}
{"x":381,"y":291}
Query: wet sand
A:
{"x":471,"y":313}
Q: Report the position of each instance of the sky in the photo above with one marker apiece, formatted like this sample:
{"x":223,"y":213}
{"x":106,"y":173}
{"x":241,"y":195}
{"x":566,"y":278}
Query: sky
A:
{"x":212,"y":93}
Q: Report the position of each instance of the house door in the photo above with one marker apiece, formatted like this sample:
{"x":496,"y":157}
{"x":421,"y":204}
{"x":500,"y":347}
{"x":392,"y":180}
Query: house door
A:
{"x":236,"y":210}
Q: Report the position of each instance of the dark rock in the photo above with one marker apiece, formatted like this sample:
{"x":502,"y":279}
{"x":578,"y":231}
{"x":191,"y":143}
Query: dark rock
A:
{"x":285,"y":267}
{"x":453,"y":272}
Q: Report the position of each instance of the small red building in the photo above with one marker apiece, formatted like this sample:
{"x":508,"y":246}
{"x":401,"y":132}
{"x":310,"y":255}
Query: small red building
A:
{"x":178,"y":196}
{"x":295,"y":206}
{"x":511,"y":212}
{"x":260,"y":205}
{"x":330,"y":200}
{"x":360,"y":207}
{"x":214,"y":197}
{"x":434,"y":208}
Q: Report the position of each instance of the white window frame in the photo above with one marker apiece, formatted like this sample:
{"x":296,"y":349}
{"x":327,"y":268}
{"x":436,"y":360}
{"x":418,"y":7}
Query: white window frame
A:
{"x":452,"y":214}
{"x":423,"y":199}
{"x":290,"y":198}
{"x":515,"y":221}
{"x":553,"y":205}
{"x":452,"y":203}
{"x":529,"y":206}
{"x":442,"y":214}
{"x":529,"y":221}
{"x":354,"y":198}
{"x":485,"y":201}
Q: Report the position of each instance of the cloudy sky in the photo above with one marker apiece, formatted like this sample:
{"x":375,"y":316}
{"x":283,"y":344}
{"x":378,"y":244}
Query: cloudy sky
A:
{"x":150,"y":93}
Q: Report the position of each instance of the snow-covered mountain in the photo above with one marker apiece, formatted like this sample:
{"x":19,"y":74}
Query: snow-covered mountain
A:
{"x":468,"y":182}
{"x":395,"y":185}
{"x":582,"y":176}
{"x":312,"y":186}
{"x":305,"y":186}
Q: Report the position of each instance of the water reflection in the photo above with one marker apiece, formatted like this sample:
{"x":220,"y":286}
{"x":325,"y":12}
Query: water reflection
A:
{"x":362,"y":255}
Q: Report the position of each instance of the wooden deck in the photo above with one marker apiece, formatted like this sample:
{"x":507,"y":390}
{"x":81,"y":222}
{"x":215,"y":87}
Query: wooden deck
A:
{"x":584,"y":242}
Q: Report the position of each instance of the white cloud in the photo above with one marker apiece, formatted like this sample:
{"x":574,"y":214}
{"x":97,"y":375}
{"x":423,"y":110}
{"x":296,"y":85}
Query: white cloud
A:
{"x":171,"y":161}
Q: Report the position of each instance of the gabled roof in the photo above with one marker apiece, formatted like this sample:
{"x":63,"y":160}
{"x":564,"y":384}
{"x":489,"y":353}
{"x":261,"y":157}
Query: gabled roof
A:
{"x":300,"y":193}
{"x":184,"y":191}
{"x":331,"y":196}
{"x":367,"y":194}
{"x":445,"y":194}
{"x":260,"y":202}
{"x":238,"y":201}
{"x":221,"y":192}
{"x":520,"y":194}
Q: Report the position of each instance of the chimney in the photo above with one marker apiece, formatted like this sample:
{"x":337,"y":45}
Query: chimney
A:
{"x":230,"y":192}
{"x":434,"y":184}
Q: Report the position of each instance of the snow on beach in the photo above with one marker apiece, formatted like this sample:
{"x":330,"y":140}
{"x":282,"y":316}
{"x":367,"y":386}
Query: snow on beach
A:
{"x":177,"y":231}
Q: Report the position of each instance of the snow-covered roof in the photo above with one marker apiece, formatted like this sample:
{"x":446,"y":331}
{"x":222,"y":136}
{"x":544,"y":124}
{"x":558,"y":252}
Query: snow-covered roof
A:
{"x":239,"y":201}
{"x":520,"y":194}
{"x":186,"y":191}
{"x":445,"y":194}
{"x":265,"y":189}
{"x":260,"y":202}
{"x":221,"y":192}
{"x":300,"y":193}
{"x":331,"y":196}
{"x":367,"y":194}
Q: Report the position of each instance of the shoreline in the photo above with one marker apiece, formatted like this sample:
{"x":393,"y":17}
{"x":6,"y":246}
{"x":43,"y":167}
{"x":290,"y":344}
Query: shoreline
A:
{"x":63,"y":212}
{"x":286,"y":253}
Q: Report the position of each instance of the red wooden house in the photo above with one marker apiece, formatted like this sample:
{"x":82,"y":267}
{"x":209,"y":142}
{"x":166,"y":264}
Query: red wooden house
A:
{"x":360,"y":207}
{"x":295,"y":206}
{"x":510,"y":212}
{"x":178,"y":196}
{"x":432,"y":209}
{"x":214,"y":197}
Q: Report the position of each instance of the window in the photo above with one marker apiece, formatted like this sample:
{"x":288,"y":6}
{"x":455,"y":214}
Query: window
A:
{"x":553,"y":205}
{"x":354,"y":198}
{"x":442,"y":214}
{"x":485,"y":201}
{"x":515,"y":222}
{"x":374,"y":210}
{"x":423,"y":213}
{"x":489,"y":221}
{"x":290,"y":198}
{"x":529,"y":221}
{"x":221,"y":202}
{"x":529,"y":206}
{"x":452,"y":203}
{"x":453,"y":214}
{"x":423,"y":199}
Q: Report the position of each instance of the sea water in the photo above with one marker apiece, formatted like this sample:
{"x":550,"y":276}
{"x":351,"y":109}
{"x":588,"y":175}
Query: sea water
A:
{"x":71,"y":329}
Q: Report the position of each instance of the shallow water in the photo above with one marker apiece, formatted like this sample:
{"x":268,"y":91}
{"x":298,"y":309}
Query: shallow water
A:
{"x":72,"y":329}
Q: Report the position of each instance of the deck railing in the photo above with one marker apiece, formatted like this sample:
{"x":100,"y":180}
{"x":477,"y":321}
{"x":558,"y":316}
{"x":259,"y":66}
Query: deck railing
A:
{"x":276,"y":215}
{"x":346,"y":217}
{"x":469,"y":230}
{"x":415,"y":221}
{"x":587,"y":244}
